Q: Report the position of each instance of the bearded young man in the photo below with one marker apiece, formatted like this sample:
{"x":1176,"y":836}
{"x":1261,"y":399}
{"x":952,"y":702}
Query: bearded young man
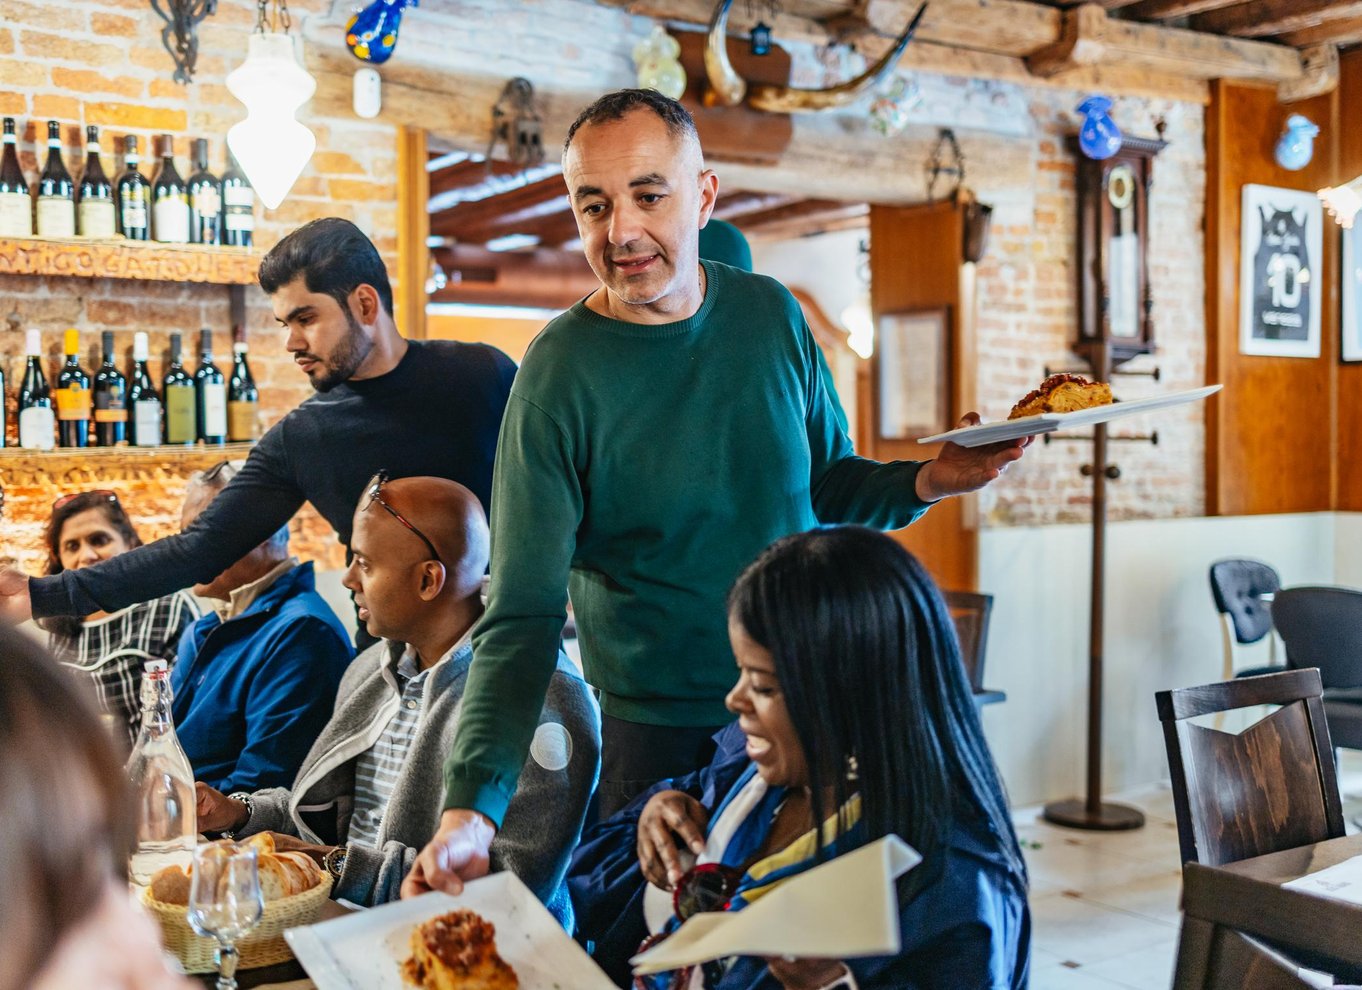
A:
{"x":660,"y":434}
{"x":383,"y":403}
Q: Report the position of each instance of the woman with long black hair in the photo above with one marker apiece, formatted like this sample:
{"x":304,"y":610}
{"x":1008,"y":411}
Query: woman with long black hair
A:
{"x":853,"y":710}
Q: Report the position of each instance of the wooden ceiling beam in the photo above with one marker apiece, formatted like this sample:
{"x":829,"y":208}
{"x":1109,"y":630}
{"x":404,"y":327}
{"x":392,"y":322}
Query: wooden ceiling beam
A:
{"x":1156,"y":10}
{"x":1347,"y":31}
{"x":739,"y":204}
{"x":804,"y":217}
{"x":513,"y":200}
{"x":1263,"y":18}
{"x":551,"y":279}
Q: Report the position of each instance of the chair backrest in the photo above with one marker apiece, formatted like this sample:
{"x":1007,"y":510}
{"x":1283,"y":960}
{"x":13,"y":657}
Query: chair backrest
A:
{"x":1238,"y":585}
{"x":970,"y":611}
{"x":1322,"y":627}
{"x":1271,"y":787}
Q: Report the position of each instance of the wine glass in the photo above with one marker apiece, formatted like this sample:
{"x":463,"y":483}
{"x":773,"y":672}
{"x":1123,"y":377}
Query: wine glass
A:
{"x":225,"y":900}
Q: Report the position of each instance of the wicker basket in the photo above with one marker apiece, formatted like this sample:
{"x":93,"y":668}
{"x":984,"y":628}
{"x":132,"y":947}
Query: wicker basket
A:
{"x":264,"y":946}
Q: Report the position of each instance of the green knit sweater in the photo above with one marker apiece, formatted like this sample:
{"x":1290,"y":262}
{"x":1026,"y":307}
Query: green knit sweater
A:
{"x":641,"y":467}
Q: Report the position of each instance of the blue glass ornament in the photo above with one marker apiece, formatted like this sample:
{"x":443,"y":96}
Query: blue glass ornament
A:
{"x":371,"y":34}
{"x":1297,"y":144}
{"x":1099,"y":137}
{"x":760,"y":39}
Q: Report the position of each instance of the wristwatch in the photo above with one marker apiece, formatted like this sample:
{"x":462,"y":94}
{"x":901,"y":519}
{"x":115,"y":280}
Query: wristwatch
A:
{"x":334,"y":862}
{"x":244,"y":798}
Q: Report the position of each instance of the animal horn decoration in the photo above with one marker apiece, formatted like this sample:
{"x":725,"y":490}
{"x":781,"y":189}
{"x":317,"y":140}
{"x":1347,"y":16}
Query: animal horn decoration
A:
{"x":727,"y":88}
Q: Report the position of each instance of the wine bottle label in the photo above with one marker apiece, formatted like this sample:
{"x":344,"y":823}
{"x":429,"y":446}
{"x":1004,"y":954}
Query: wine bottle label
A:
{"x":16,"y":215}
{"x":111,"y":415}
{"x":241,"y":420}
{"x":207,"y":202}
{"x":37,"y":428}
{"x":96,"y":217}
{"x":56,"y":216}
{"x":215,"y":410}
{"x":179,"y":415}
{"x":147,"y":422}
{"x":135,"y":212}
{"x":73,"y":404}
{"x":240,"y":196}
{"x":170,"y":220}
{"x":240,"y":208}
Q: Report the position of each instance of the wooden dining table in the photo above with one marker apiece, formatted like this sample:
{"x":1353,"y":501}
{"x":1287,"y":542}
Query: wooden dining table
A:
{"x":1248,"y":896}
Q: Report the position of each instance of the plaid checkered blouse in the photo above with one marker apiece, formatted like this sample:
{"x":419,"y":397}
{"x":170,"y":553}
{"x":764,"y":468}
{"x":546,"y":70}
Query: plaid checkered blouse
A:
{"x":112,"y":650}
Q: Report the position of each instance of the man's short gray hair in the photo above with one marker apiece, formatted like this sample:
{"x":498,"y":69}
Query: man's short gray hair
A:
{"x":616,"y":105}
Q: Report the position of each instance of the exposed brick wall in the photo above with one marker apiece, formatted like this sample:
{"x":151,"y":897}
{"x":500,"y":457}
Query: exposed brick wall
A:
{"x":101,"y":62}
{"x":1028,"y":319}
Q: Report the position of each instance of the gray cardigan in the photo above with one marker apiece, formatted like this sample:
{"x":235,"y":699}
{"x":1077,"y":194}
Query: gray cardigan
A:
{"x":544,"y":819}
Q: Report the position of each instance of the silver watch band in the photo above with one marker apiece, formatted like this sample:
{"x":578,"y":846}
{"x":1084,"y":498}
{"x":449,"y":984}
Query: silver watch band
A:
{"x":245,"y":799}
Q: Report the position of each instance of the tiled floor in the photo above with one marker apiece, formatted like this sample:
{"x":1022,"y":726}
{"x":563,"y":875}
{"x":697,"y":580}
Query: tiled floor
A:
{"x":1104,"y":906}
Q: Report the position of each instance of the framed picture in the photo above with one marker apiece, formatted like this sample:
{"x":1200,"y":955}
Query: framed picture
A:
{"x":913,"y":380}
{"x":1279,"y":286}
{"x":1350,"y":287}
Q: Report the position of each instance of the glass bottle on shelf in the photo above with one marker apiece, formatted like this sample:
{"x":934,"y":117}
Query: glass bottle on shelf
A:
{"x":73,"y":396}
{"x":169,"y":199}
{"x":134,"y":196}
{"x":243,"y":398}
{"x":94,"y":202}
{"x":205,"y":199}
{"x":37,"y":424}
{"x":4,"y":410}
{"x":211,"y":394}
{"x":56,"y":191}
{"x":163,"y":782}
{"x":145,"y":421}
{"x":177,"y":391}
{"x":238,"y":206}
{"x":16,"y":206}
{"x":111,"y":398}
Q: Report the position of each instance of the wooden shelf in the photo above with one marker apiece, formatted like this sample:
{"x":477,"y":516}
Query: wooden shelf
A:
{"x":118,"y":258}
{"x":20,"y":466}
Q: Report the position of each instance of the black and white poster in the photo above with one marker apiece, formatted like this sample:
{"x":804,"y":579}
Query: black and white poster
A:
{"x":1279,"y":285}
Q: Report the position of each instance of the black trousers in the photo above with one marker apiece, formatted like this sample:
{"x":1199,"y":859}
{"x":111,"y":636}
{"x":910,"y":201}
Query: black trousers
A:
{"x":634,"y":757}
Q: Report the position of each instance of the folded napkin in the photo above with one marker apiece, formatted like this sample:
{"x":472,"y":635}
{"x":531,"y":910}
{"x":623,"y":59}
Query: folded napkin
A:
{"x":845,"y":908}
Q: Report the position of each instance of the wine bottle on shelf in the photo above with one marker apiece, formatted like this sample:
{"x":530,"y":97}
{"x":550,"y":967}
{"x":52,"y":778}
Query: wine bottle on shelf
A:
{"x":111,"y":398}
{"x":243,"y":398}
{"x":4,"y":410}
{"x":238,"y":206}
{"x":56,"y":191}
{"x":145,"y":421}
{"x":205,"y":199}
{"x":37,"y":424}
{"x":94,"y":196}
{"x":134,"y":196}
{"x":169,"y":199}
{"x":16,"y":206}
{"x":73,"y":397}
{"x":210,"y":394}
{"x":177,"y":389}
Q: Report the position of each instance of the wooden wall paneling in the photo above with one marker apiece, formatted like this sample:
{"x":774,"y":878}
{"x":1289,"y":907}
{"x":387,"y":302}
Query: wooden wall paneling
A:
{"x":915,"y":264}
{"x":1349,"y":416}
{"x":413,"y":226}
{"x":1270,"y":433}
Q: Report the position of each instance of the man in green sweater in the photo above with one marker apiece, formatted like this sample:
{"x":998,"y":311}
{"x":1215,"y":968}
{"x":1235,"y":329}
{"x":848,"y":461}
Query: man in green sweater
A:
{"x":659,"y":435}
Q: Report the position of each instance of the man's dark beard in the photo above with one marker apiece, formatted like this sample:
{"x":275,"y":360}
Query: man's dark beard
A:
{"x":346,"y":358}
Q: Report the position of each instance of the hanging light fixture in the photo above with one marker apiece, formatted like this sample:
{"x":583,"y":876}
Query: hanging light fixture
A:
{"x":270,"y":144}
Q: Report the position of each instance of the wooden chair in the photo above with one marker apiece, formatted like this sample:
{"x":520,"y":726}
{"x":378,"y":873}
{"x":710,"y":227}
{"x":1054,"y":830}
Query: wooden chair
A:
{"x":970,"y":612}
{"x":1213,"y":957}
{"x":1271,"y":787}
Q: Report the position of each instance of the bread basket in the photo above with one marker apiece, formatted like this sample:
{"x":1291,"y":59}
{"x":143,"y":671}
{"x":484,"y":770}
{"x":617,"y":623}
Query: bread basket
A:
{"x":264,"y":946}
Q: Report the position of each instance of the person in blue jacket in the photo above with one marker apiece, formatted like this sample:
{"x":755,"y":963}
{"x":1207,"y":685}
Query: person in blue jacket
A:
{"x":853,"y":710}
{"x":256,"y":677}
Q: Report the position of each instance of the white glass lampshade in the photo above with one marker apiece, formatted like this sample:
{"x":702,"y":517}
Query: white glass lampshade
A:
{"x":272,"y":147}
{"x":860,"y":326}
{"x":1343,"y":202}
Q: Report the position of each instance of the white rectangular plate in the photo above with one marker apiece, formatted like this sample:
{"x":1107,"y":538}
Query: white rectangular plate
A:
{"x":364,"y":951}
{"x":1030,"y":426}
